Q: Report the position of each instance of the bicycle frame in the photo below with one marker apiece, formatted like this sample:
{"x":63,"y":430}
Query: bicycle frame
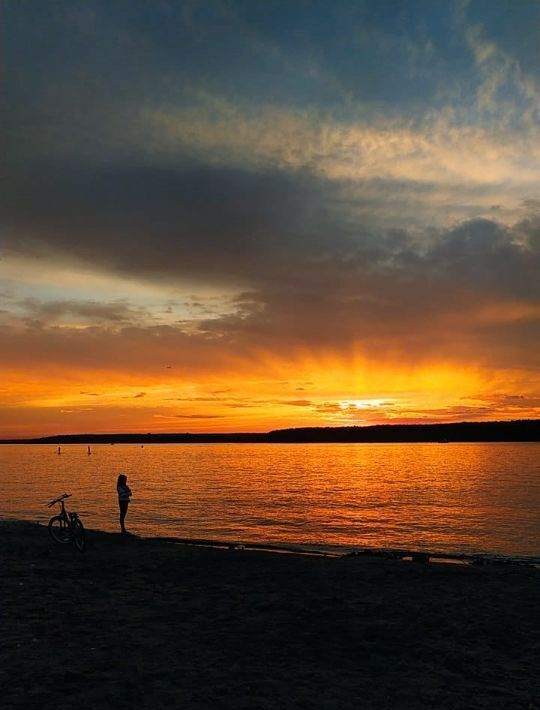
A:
{"x":70,"y":525}
{"x":68,"y":517}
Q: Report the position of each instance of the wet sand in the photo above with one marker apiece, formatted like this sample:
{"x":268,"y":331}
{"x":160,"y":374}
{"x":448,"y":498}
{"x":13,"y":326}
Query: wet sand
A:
{"x":142,"y":623}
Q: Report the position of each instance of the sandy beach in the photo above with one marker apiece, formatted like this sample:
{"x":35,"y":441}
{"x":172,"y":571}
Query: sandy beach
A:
{"x":143,"y":623}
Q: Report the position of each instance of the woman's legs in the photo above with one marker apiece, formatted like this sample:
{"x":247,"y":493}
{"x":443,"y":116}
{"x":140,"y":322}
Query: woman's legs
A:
{"x":123,"y":512}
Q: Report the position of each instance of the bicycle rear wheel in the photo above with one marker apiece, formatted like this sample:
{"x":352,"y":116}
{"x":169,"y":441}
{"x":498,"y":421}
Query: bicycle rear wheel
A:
{"x":59,"y":530}
{"x":79,"y":537}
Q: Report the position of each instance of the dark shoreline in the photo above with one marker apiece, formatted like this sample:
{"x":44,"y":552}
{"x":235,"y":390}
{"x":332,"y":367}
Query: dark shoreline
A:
{"x":387,"y":553}
{"x":142,"y":623}
{"x":475,"y":559}
{"x":521,"y":430}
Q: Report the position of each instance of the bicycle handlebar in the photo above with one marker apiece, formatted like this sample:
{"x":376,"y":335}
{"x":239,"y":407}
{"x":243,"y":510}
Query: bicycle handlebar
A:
{"x":57,"y":500}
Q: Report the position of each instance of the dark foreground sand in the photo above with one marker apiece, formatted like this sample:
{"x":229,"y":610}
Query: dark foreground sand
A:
{"x":136,"y":623}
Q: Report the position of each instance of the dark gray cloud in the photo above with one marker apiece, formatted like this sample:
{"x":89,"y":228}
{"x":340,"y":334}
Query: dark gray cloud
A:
{"x":237,"y":225}
{"x":204,"y":221}
{"x":115,"y":312}
{"x":470,"y":294}
{"x":490,"y":257}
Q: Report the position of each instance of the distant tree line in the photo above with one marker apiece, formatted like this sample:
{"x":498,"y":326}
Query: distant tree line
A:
{"x":519,"y":430}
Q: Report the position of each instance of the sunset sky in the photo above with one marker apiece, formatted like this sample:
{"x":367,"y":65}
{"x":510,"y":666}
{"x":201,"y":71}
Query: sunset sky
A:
{"x":245,"y":215}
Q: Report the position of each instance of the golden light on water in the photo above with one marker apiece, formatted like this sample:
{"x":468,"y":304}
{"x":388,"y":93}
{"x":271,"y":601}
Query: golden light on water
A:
{"x":441,"y":497}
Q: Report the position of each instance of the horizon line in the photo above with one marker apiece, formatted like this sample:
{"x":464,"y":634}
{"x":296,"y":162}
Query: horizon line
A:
{"x":262,"y":434}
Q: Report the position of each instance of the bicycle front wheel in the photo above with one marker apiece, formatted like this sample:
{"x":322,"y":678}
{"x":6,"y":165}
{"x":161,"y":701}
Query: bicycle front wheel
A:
{"x":59,"y":529}
{"x":79,"y":537}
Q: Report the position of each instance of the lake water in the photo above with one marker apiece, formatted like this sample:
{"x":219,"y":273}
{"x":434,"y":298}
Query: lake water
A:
{"x":472,"y":498}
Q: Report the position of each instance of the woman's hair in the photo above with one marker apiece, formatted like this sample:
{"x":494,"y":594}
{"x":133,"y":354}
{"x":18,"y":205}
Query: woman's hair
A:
{"x":122,"y":480}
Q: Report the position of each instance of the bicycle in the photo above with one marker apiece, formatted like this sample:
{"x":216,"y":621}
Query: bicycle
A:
{"x":66,"y":527}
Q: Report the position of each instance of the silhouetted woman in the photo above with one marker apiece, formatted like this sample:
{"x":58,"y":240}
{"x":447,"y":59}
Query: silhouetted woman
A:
{"x":124,"y":493}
